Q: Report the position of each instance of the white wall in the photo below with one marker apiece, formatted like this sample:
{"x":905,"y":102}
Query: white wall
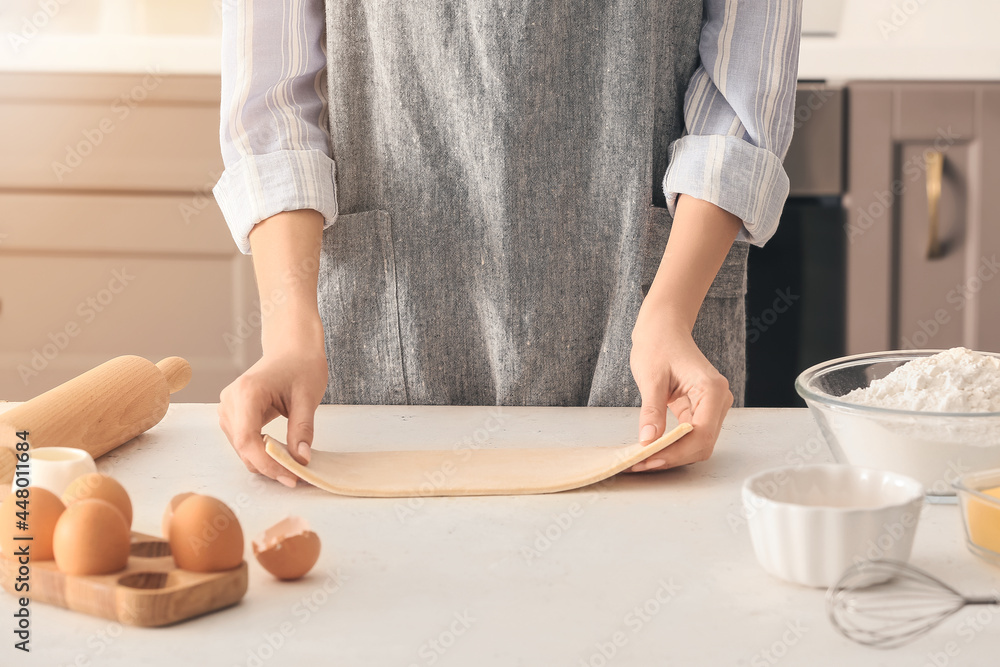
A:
{"x":908,"y":39}
{"x":167,"y":36}
{"x":878,"y":39}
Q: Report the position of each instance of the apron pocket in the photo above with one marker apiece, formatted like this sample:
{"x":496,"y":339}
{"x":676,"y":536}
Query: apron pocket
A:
{"x":357,"y":303}
{"x":730,"y":281}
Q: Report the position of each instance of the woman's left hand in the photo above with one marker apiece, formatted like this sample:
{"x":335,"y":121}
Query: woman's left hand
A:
{"x":671,"y":372}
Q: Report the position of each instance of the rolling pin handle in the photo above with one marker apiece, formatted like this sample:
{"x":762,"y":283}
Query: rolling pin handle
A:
{"x":177,"y":372}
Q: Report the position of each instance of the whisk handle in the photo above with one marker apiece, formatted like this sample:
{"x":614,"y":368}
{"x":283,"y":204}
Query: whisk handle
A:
{"x":988,"y":600}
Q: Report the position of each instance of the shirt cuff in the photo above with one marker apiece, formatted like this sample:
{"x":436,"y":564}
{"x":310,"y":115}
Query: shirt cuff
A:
{"x":731,"y":173}
{"x":259,"y":186}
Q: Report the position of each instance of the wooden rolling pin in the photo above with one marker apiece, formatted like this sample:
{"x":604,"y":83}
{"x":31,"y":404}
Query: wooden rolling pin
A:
{"x":97,"y":411}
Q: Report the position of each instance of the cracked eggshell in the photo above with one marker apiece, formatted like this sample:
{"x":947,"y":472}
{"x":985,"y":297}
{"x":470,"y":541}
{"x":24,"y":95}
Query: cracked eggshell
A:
{"x":288,"y":549}
{"x":168,"y":513}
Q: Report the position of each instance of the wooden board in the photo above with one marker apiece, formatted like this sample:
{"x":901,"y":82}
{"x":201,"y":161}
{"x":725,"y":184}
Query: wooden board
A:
{"x":466,"y":472}
{"x":149,"y":592}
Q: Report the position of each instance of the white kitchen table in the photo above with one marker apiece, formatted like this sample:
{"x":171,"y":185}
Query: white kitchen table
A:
{"x":653,"y":569}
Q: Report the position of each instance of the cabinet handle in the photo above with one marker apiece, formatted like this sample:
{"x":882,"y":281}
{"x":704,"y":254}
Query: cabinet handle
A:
{"x":934,"y":164}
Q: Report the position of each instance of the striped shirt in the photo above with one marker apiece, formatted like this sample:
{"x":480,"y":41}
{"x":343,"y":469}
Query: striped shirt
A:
{"x":738,"y":113}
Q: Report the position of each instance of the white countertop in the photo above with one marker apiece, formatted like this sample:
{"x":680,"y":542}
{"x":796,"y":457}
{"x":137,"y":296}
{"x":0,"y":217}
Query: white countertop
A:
{"x":469,"y":581}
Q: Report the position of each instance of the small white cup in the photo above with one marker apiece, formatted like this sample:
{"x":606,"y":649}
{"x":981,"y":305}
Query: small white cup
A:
{"x":53,"y":468}
{"x":810,"y":523}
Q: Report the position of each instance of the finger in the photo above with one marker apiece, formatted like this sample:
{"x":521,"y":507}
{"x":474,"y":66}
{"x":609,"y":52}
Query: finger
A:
{"x":708,"y":411}
{"x":270,"y":414}
{"x":301,"y":414}
{"x":245,"y":425}
{"x":652,"y":416}
{"x":255,"y":457}
{"x":653,"y":413}
{"x":224,"y":410}
{"x":224,"y":422}
{"x":682,"y":408}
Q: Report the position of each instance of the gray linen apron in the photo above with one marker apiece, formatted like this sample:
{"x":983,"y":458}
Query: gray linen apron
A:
{"x":499,"y":170}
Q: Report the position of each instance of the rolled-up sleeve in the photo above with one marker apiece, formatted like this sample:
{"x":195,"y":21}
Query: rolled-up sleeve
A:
{"x":739,"y":113}
{"x":274,"y":129}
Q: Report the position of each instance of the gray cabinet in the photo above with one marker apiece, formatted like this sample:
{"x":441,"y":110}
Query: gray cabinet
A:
{"x":913,"y":282}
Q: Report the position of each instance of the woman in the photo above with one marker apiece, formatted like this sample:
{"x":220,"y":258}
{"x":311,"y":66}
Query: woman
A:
{"x":499,"y":180}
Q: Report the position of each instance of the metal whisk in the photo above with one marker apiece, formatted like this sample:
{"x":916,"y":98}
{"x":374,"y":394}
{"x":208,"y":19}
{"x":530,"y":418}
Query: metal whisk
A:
{"x":887,"y":603}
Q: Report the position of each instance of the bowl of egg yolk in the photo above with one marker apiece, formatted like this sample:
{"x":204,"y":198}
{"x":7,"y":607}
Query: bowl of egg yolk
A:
{"x":979,"y":496}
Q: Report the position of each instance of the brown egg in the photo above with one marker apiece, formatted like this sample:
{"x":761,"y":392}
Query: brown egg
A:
{"x":100,"y":487}
{"x":43,"y":510}
{"x":169,"y":512}
{"x":205,"y":535}
{"x":288,"y":549}
{"x":91,"y":538}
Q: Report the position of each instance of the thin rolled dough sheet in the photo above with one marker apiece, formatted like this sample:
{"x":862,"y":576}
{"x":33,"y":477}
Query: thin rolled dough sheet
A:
{"x":466,"y":472}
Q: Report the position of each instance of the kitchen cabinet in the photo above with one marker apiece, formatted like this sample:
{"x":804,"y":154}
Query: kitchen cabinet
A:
{"x":913,"y":282}
{"x":795,"y":282}
{"x":110,"y":240}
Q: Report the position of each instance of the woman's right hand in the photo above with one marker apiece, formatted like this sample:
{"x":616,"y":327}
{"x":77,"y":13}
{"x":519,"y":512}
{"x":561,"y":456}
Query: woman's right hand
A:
{"x":291,"y":376}
{"x":291,"y":382}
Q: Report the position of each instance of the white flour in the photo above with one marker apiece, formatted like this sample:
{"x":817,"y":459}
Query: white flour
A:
{"x":956,"y":380}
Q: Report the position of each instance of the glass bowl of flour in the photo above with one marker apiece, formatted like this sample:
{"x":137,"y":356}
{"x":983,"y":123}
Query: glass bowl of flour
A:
{"x":930,"y":414}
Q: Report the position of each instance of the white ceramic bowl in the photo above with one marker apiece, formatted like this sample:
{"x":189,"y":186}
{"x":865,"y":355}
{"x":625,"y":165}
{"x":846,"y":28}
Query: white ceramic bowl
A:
{"x":53,"y":468}
{"x":810,"y":523}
